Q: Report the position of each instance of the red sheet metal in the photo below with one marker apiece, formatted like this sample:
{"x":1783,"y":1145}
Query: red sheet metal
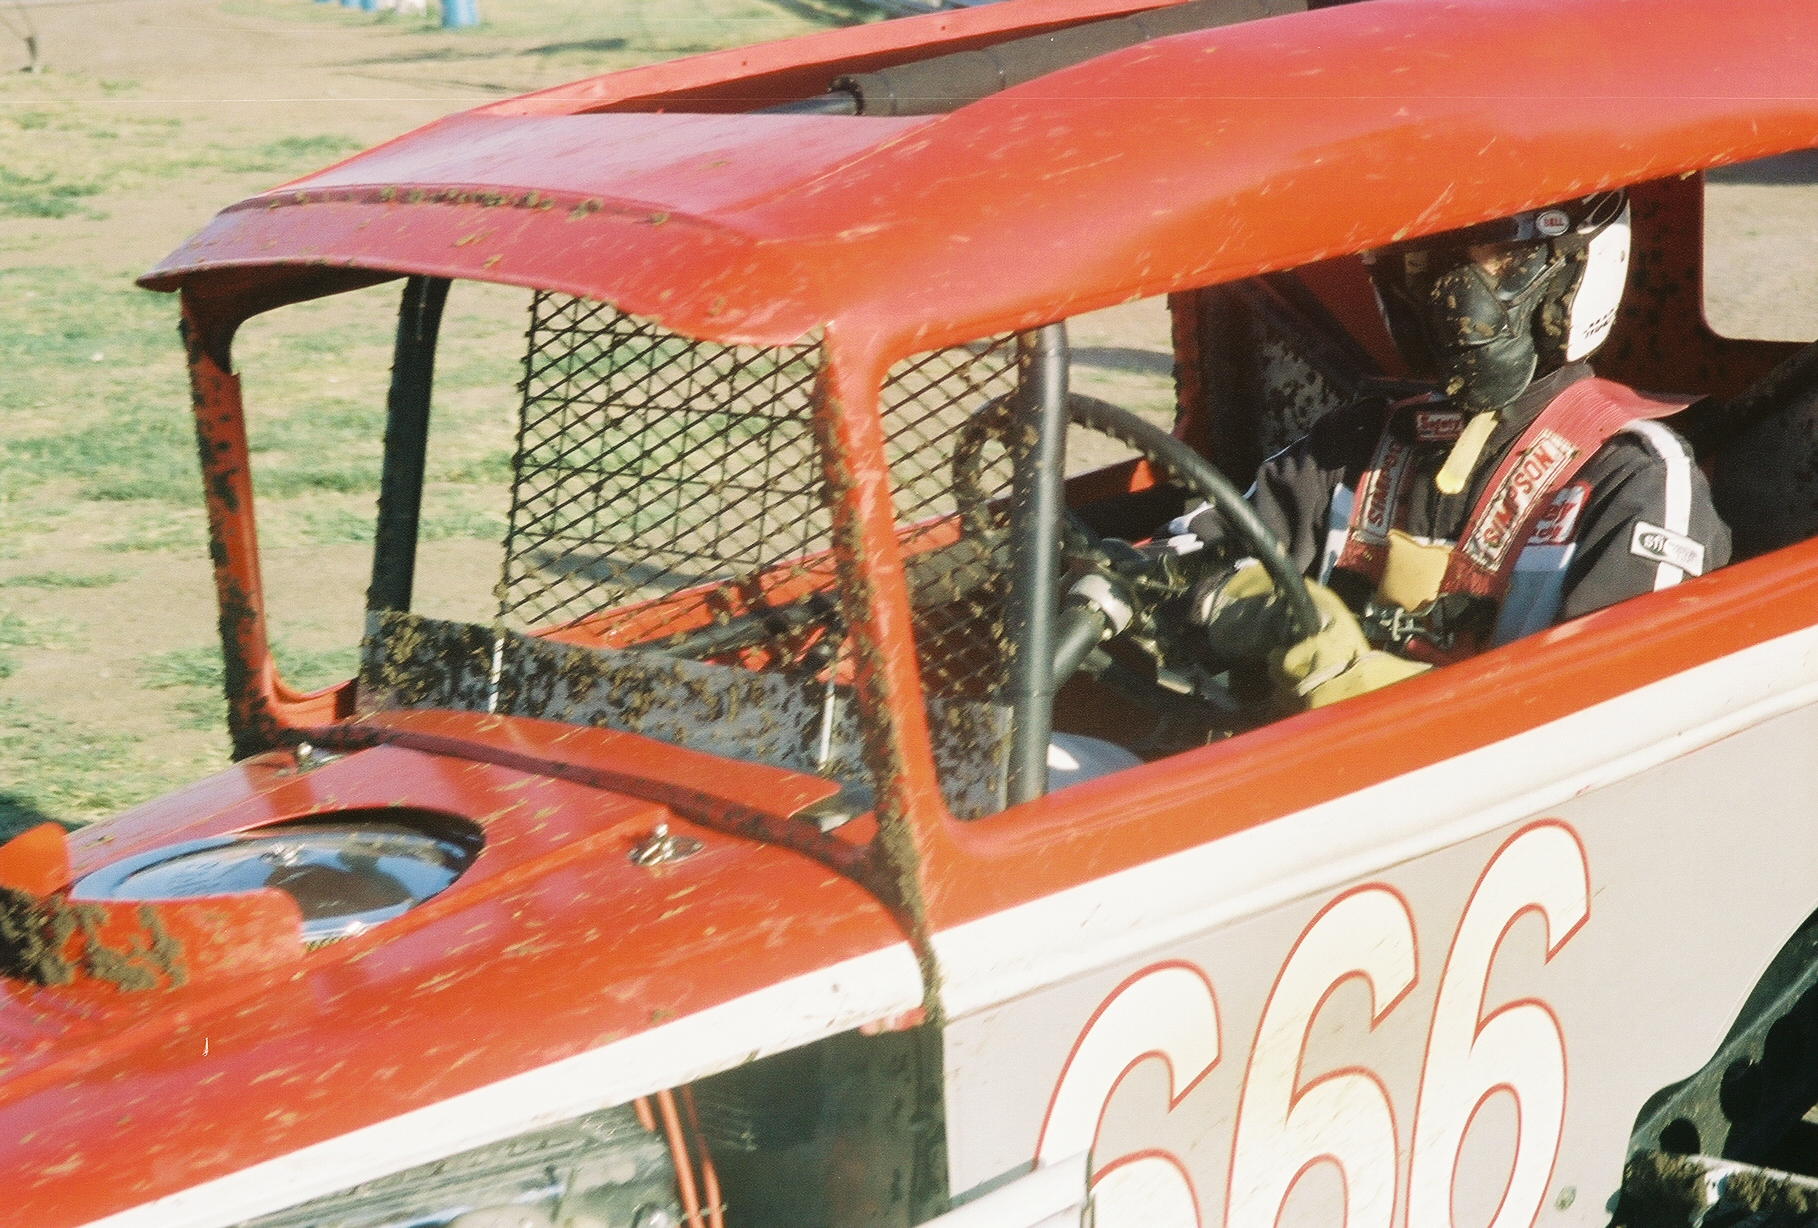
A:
{"x":36,"y":861}
{"x":1192,"y":159}
{"x":553,"y":943}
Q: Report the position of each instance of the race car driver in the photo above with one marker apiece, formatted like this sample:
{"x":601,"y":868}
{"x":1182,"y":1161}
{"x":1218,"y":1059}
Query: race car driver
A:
{"x":1517,"y":491}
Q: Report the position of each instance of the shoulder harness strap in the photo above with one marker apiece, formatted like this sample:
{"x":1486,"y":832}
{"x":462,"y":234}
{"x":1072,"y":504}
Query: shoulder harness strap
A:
{"x":1542,"y":462}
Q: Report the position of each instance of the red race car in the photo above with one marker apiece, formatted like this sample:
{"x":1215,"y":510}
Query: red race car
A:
{"x":844,"y":810}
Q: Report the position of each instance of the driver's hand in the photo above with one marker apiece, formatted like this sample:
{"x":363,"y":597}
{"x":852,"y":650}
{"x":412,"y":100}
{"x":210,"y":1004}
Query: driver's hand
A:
{"x":1338,"y":662}
{"x":1237,"y":606}
{"x":1243,"y":618}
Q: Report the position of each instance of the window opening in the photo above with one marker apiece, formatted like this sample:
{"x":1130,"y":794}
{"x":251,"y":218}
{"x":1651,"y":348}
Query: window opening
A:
{"x":1760,"y":240}
{"x":668,"y":565}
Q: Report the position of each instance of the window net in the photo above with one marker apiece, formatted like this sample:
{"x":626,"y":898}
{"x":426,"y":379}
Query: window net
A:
{"x":945,"y":414}
{"x":669,"y":563}
{"x":648,"y":464}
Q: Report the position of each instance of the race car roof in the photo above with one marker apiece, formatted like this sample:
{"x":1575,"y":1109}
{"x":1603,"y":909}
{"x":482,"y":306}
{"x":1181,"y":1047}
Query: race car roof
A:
{"x":1190,"y":160}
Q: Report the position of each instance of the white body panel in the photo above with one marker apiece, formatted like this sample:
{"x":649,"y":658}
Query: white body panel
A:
{"x":1373,"y":985}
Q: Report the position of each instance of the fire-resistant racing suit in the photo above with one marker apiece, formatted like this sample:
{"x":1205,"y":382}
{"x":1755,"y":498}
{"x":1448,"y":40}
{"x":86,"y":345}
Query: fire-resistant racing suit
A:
{"x":1636,"y":517}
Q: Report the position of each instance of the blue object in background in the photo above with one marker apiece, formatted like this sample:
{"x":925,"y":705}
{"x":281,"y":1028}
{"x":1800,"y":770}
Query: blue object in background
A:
{"x":459,"y":14}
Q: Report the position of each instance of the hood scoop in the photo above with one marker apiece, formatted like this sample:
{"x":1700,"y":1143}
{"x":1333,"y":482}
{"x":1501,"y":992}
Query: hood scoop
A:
{"x":346,"y":872}
{"x":220,"y":905}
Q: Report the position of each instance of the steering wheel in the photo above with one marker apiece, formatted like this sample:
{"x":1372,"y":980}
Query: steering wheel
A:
{"x":1160,"y":449}
{"x":932,"y":575}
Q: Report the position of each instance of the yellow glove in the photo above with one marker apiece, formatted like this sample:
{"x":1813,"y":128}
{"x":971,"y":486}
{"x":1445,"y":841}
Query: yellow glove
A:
{"x":1335,"y":663}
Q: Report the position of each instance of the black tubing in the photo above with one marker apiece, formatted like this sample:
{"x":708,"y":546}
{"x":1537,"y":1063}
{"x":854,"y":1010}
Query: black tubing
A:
{"x":746,"y":630}
{"x":839,"y":102}
{"x":1083,"y":627}
{"x":948,"y":82}
{"x":394,"y":550}
{"x":1038,"y":438}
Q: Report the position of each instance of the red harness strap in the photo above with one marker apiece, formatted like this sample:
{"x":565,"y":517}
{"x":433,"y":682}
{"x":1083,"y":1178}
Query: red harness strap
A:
{"x":1562,"y":437}
{"x":1376,"y":506}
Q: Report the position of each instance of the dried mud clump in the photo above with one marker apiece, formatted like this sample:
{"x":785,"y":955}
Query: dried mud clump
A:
{"x":1667,"y":1191}
{"x":53,"y":941}
{"x":1770,"y":1198}
{"x":30,"y":944}
{"x":1661,"y":1191}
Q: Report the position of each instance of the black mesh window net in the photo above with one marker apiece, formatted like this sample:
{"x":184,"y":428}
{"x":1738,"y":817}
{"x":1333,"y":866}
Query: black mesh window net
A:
{"x":669,"y":560}
{"x":946,"y":413}
{"x":649,"y":464}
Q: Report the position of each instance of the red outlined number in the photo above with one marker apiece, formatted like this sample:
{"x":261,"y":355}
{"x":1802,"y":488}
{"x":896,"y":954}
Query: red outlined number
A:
{"x":1287,"y":1122}
{"x":1516,"y":1050}
{"x":1290,"y":1120}
{"x":1165,"y":1013}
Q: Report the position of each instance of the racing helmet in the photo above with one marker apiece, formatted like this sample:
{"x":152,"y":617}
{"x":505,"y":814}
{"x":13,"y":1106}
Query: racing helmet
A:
{"x":1486,"y":309}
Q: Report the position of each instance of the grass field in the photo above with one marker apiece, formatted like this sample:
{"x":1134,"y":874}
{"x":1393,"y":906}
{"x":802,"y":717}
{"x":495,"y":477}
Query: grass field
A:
{"x":150,"y":115}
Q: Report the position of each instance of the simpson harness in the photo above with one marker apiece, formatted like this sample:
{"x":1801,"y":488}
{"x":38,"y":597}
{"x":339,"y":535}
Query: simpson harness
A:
{"x":1437,"y":601}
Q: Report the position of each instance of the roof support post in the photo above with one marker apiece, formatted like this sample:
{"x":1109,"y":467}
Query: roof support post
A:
{"x":394,"y":551}
{"x":1038,"y":451}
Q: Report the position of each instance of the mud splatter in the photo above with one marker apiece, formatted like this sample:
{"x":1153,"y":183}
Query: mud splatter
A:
{"x":54,"y":940}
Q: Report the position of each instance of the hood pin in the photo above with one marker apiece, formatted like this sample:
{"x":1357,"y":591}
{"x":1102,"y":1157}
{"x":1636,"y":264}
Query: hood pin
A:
{"x":661,"y":847}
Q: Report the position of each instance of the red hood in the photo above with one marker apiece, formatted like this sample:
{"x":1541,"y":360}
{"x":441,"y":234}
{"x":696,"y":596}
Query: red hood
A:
{"x":552,"y":945}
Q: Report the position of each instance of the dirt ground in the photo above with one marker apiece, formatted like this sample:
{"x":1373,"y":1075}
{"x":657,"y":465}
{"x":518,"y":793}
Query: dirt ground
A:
{"x":111,"y":63}
{"x":232,"y":74}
